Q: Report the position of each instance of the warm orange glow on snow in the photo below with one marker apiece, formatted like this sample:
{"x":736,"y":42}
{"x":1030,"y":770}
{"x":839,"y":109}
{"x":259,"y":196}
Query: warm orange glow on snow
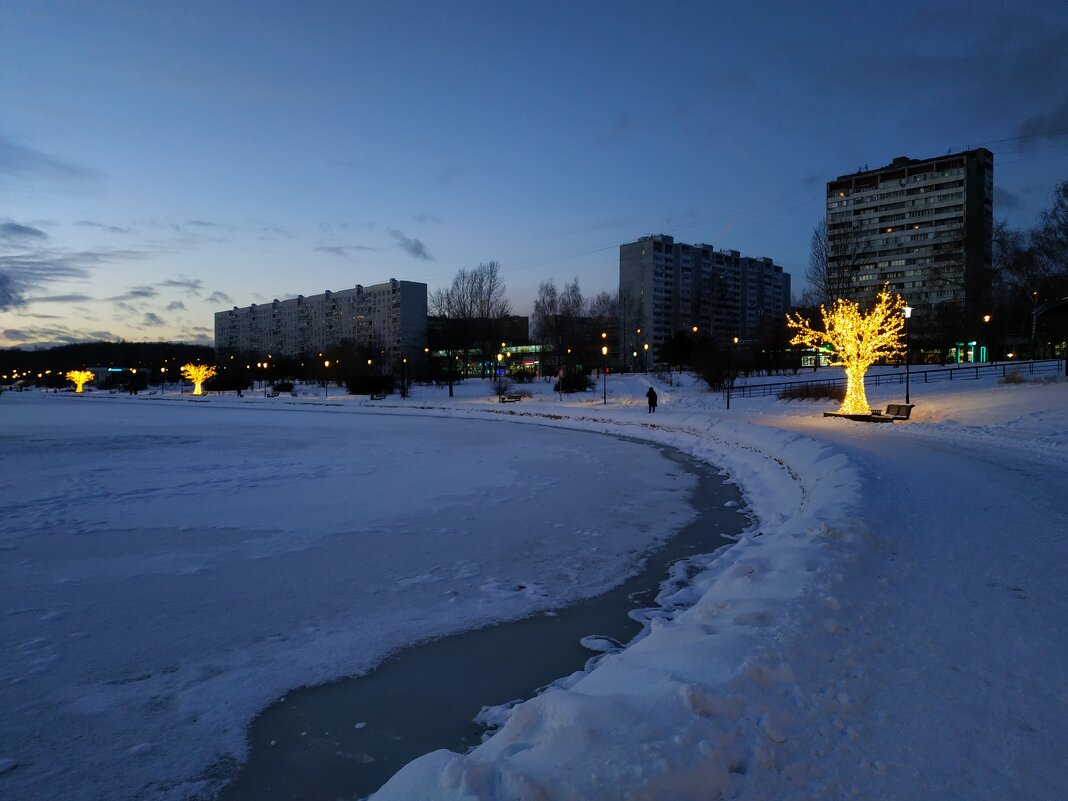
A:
{"x":858,"y":340}
{"x":80,"y":378}
{"x":198,"y":374}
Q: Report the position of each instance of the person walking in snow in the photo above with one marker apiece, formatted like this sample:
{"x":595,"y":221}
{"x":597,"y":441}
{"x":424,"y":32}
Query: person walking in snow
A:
{"x":651,"y":395}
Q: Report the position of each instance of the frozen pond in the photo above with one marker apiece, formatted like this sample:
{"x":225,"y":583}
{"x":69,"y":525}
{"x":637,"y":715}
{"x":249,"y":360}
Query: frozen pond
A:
{"x":169,"y":568}
{"x":345,"y":739}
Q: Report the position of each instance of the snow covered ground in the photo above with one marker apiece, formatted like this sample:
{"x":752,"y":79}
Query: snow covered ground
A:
{"x":894,"y":625}
{"x":168,"y":568}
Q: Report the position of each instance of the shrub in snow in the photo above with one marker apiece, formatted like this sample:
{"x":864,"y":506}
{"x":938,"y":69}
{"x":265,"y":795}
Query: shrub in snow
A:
{"x":814,"y":392}
{"x":574,"y":382}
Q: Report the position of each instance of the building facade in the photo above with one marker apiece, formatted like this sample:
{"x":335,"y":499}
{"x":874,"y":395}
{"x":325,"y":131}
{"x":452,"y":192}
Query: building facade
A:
{"x":666,"y":287}
{"x":922,"y":226}
{"x":389,"y":318}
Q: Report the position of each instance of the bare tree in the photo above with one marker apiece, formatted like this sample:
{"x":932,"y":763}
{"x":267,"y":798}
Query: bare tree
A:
{"x":557,"y":316}
{"x":442,"y":303}
{"x":833,"y":262}
{"x":546,"y":310}
{"x":604,"y":306}
{"x":1051,"y":236}
{"x":489,"y":292}
{"x":471,"y":308}
{"x":818,"y":292}
{"x":572,"y":310}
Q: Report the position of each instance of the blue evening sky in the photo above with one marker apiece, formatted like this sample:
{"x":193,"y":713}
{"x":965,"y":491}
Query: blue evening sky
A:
{"x":160,"y":161}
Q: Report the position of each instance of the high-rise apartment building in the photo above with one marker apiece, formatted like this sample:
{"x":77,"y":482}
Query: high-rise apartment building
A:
{"x":388,"y":317}
{"x":667,"y":286}
{"x":923,"y":226}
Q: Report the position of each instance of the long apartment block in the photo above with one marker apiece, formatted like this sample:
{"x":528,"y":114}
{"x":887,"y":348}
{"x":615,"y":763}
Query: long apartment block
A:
{"x":389,"y":318}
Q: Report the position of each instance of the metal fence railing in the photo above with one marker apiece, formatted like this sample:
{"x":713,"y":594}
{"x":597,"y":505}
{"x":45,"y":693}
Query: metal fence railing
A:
{"x":962,"y":373}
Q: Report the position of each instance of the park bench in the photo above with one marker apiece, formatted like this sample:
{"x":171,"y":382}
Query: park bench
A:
{"x":378,"y":396}
{"x":272,"y":394}
{"x":511,"y":397}
{"x":895,"y":411}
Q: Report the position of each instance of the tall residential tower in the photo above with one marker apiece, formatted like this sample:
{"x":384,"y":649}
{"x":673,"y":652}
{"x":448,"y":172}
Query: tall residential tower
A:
{"x":923,"y":226}
{"x":666,"y":287}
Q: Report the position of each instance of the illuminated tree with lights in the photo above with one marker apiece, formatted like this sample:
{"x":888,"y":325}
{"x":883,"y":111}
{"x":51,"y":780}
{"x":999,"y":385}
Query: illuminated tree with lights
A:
{"x":857,"y":339}
{"x":80,"y":378}
{"x":198,"y":374}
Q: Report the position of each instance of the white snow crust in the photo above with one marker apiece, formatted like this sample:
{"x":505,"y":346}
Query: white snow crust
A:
{"x":893,"y":624}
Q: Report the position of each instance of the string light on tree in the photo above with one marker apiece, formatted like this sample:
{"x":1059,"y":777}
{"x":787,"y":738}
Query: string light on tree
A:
{"x":198,"y":374}
{"x":80,"y":378}
{"x":858,"y":340}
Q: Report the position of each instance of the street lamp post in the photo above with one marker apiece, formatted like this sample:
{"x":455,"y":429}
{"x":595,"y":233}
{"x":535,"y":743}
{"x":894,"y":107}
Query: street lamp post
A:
{"x":730,"y":370}
{"x":645,"y":348}
{"x":500,"y":359}
{"x":604,"y":375}
{"x":908,"y":314}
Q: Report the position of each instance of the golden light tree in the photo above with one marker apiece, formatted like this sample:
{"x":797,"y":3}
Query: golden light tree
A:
{"x":857,"y":339}
{"x":198,"y":374}
{"x":80,"y":378}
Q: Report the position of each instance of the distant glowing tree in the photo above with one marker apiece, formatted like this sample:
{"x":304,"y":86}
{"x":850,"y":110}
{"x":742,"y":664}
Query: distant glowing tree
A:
{"x":80,"y":378}
{"x":858,"y":340}
{"x":198,"y":374}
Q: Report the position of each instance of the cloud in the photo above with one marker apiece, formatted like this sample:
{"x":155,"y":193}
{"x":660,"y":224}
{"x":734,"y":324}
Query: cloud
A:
{"x":123,"y":306}
{"x":426,"y":217}
{"x":13,"y":232}
{"x":218,"y":297}
{"x":59,"y":299}
{"x":210,"y":224}
{"x":137,"y":292}
{"x":152,"y":320}
{"x":49,"y":337}
{"x":111,"y":229}
{"x":269,"y":231}
{"x":176,"y":305}
{"x":22,"y":273}
{"x":410,"y":245}
{"x":1004,"y":199}
{"x":1051,"y":126}
{"x":342,"y":250}
{"x":190,"y":285}
{"x":10,"y":294}
{"x":24,"y":163}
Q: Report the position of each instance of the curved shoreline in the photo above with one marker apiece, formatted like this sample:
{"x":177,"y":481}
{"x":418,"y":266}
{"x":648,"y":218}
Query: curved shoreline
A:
{"x":346,"y":738}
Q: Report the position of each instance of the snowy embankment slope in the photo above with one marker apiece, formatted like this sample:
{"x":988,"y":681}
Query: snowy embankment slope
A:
{"x":895,"y":626}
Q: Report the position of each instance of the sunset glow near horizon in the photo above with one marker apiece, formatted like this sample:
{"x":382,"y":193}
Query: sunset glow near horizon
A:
{"x":159,"y":163}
